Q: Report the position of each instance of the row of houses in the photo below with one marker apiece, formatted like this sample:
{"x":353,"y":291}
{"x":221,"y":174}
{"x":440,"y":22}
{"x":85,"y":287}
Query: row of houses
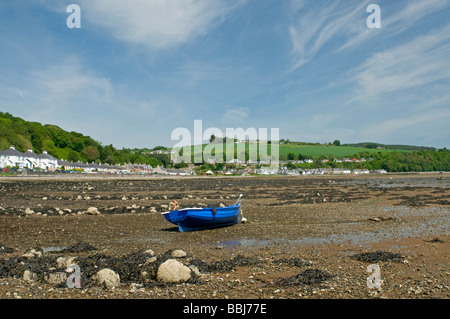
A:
{"x":298,"y":171}
{"x":91,"y":167}
{"x":31,"y":160}
{"x":44,"y":161}
{"x":333,"y":171}
{"x":28,"y":159}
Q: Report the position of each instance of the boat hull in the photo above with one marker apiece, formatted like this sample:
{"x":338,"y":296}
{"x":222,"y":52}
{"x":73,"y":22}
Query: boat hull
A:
{"x":190,"y":219}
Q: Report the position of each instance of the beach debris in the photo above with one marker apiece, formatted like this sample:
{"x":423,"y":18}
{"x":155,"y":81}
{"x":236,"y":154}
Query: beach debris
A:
{"x":381,"y":218}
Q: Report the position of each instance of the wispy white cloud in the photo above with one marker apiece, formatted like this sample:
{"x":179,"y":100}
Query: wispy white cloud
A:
{"x":412,"y":65}
{"x":394,"y":22}
{"x":399,"y":129}
{"x":316,"y":25}
{"x":235,"y":115}
{"x":157,"y":24}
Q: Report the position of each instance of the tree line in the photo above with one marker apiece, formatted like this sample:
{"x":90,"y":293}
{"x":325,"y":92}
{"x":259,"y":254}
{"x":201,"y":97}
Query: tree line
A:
{"x":416,"y":161}
{"x":71,"y":146}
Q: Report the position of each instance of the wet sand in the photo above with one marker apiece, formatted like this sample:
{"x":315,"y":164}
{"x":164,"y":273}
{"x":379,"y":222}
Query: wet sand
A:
{"x":302,"y":238}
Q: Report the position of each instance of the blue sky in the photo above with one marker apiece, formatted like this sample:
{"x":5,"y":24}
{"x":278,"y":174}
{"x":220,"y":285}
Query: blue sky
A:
{"x":138,"y":69}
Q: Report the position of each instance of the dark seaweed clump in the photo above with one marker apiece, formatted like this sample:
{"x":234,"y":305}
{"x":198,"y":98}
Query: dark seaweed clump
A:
{"x":5,"y":249}
{"x":377,"y":256}
{"x":225,"y":265}
{"x":436,"y":240}
{"x":308,"y":277}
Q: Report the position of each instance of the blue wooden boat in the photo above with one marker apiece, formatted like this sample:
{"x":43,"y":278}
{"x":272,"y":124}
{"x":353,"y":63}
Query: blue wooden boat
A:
{"x":189,"y":219}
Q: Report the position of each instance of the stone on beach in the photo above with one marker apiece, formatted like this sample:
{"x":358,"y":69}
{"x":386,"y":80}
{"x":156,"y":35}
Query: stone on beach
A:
{"x":64,"y":262}
{"x":107,"y":278}
{"x":178,"y":253}
{"x":28,"y":275}
{"x":173,"y":271}
{"x":32,"y":253}
{"x":92,"y":211}
{"x":56,"y":278}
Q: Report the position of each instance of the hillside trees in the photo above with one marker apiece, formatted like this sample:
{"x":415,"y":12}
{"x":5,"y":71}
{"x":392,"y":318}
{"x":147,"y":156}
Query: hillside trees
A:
{"x":66,"y":145}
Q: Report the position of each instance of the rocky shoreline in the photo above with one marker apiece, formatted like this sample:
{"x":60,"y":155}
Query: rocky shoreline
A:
{"x":305,"y":239}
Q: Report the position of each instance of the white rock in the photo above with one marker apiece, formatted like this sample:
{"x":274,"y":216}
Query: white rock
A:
{"x":64,"y":262}
{"x":150,"y":260}
{"x":178,"y":253}
{"x":29,"y":211}
{"x":195,"y":270}
{"x":28,"y":275}
{"x":56,"y":278}
{"x":149,"y":252}
{"x":173,"y":271}
{"x":32,"y":253}
{"x":92,"y":211}
{"x":108,"y":278}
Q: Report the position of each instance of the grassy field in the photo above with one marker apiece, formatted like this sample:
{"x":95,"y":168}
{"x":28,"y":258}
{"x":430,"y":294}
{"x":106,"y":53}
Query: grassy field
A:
{"x":311,"y":151}
{"x":324,"y":150}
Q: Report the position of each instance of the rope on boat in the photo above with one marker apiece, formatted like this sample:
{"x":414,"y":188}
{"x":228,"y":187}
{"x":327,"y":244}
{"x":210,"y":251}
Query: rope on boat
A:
{"x":175,"y":205}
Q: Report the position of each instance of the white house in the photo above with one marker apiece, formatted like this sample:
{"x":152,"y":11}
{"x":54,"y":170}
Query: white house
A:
{"x":3,"y":159}
{"x":47,"y":161}
{"x":29,"y":159}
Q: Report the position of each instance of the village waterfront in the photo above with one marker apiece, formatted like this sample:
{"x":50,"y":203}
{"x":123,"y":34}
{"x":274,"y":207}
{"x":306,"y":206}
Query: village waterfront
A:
{"x":305,"y":237}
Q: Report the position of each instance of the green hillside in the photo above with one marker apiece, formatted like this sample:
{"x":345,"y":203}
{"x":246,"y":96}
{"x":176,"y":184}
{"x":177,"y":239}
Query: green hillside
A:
{"x":61,"y":144}
{"x":314,"y":151}
{"x":328,"y":150}
{"x":392,"y":160}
